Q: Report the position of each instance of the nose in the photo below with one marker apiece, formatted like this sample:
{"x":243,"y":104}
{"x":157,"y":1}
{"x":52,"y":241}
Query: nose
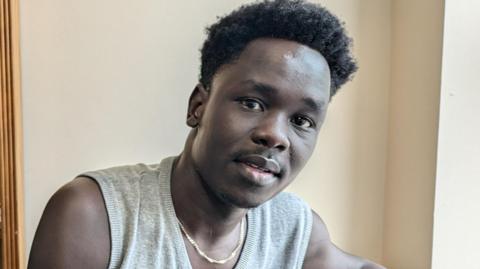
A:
{"x":272,"y":132}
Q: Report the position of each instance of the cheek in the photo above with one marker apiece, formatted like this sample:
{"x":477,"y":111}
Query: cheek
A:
{"x":221,"y":128}
{"x":301,"y":153}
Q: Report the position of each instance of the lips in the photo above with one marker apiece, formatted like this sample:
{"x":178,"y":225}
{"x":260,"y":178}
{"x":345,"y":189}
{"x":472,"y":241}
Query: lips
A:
{"x":261,"y":163}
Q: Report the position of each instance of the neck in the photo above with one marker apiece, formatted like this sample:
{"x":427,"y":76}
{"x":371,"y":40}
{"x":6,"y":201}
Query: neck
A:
{"x":204,"y":215}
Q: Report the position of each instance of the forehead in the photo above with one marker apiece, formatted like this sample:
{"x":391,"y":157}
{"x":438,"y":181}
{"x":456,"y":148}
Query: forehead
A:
{"x":281,"y":64}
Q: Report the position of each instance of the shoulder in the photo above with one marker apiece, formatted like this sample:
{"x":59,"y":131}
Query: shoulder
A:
{"x":322,"y":253}
{"x":131,"y":171}
{"x":290,"y":210}
{"x":73,"y":231}
{"x":285,"y":198}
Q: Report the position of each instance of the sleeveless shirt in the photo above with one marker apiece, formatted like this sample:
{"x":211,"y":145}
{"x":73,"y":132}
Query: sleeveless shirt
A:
{"x":144,"y":230}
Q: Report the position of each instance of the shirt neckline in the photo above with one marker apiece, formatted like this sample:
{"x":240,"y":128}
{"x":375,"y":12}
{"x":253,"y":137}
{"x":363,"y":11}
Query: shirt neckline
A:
{"x":166,"y":167}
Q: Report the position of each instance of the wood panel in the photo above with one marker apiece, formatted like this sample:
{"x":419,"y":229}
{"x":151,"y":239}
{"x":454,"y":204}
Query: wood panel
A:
{"x":11,"y":182}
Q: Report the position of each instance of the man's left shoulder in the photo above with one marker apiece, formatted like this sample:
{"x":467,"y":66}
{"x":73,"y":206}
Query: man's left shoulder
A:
{"x":289,"y":201}
{"x":289,"y":198}
{"x":288,"y":207}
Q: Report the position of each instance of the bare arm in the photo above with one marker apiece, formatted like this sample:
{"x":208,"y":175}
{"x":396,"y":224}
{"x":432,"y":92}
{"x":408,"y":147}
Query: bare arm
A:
{"x":73,"y":231}
{"x":323,"y":254}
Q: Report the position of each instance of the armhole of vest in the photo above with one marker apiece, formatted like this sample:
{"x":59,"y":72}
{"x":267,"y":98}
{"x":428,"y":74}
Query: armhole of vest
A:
{"x":104,"y":181}
{"x":306,"y":235}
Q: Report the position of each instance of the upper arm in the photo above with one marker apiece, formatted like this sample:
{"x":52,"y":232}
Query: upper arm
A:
{"x":323,"y":254}
{"x":73,"y":231}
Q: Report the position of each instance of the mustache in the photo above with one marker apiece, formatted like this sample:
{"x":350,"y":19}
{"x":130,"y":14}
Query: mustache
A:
{"x":267,"y":159}
{"x":267,"y":153}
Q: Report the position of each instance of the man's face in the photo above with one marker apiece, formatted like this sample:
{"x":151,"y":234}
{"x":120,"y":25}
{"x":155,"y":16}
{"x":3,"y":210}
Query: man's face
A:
{"x":258,"y":124}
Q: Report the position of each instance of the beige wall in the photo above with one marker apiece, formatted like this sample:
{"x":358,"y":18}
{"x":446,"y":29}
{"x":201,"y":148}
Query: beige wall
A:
{"x":457,"y":200}
{"x":106,"y":83}
{"x":414,"y":101}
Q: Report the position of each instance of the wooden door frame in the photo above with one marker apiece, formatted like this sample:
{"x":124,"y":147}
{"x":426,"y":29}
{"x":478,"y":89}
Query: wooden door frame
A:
{"x":11,"y":140}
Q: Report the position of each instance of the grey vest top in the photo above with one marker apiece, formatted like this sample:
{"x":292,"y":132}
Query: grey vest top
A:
{"x":145,"y":233}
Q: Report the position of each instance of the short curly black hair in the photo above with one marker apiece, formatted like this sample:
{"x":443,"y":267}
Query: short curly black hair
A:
{"x":296,"y":20}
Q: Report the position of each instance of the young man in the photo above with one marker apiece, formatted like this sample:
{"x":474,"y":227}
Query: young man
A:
{"x":268,"y":73}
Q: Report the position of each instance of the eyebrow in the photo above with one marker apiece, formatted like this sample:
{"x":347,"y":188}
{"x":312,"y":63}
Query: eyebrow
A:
{"x":262,"y":88}
{"x":316,"y":106}
{"x":265,"y":89}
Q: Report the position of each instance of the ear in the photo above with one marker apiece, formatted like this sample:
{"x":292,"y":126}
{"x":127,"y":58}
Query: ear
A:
{"x":196,"y":105}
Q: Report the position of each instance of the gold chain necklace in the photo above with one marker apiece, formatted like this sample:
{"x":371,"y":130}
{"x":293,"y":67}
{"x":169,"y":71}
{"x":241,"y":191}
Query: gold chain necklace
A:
{"x":205,"y":256}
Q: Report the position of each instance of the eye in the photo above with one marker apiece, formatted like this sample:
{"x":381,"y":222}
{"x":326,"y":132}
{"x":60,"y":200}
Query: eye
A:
{"x":251,"y":104}
{"x":303,"y":122}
